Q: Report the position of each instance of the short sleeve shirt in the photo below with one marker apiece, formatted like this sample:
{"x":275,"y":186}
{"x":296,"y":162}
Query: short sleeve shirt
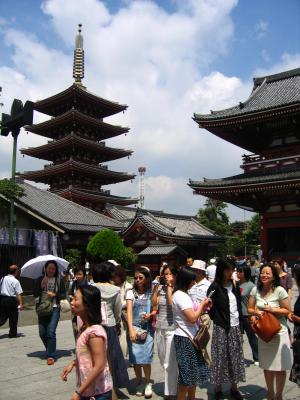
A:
{"x":273,"y":299}
{"x":84,"y":363}
{"x":10,"y":286}
{"x":199,"y":290}
{"x":181,"y":301}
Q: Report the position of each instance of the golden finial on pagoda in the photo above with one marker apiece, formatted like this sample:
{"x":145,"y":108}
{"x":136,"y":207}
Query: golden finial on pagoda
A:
{"x":78,"y":66}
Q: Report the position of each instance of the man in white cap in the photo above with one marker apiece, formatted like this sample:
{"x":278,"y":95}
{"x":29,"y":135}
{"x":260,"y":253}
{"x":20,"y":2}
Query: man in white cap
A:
{"x":199,"y":290}
{"x":211,"y":270}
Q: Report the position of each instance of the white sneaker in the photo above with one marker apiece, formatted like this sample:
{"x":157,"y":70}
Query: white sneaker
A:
{"x":256,"y":363}
{"x":148,"y":391}
{"x":139,"y":390}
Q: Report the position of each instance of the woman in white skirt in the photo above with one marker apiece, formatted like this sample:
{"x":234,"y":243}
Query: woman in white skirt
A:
{"x":275,"y":356}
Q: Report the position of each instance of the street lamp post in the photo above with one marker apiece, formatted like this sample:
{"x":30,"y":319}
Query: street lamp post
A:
{"x":13,"y":122}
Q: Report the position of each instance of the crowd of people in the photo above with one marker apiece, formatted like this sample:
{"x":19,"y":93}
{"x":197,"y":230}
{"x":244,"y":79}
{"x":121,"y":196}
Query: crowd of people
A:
{"x":114,"y":319}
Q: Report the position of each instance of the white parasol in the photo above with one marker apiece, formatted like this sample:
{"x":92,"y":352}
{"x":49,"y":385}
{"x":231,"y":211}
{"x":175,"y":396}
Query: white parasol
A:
{"x":34,"y":268}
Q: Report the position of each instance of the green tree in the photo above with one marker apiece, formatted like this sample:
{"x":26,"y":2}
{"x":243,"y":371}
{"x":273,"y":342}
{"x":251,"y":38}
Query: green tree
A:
{"x":107,"y":245}
{"x":214,"y":216}
{"x":252,"y":230}
{"x":73,"y":256}
{"x":11,"y":189}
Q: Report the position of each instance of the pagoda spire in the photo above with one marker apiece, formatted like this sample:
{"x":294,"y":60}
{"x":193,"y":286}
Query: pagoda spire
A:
{"x":78,"y":65}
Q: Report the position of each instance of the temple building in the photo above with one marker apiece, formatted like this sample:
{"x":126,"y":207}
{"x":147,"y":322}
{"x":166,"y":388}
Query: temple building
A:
{"x":157,"y":236}
{"x":77,"y":149}
{"x":267,"y":125}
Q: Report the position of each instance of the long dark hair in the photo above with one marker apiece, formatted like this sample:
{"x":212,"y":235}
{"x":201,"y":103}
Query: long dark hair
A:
{"x":296,"y":274}
{"x":148,"y":279}
{"x":91,"y":298}
{"x":222,"y":265}
{"x":247,"y":271}
{"x":185,"y":276}
{"x":172,"y":269}
{"x":276,"y":279}
{"x":51,"y":262}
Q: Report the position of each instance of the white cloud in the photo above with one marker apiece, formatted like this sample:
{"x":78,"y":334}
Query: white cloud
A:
{"x":261,"y":28}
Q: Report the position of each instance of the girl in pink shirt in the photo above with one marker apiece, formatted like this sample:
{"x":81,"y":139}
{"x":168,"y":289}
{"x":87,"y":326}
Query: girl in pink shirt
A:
{"x":93,"y":376}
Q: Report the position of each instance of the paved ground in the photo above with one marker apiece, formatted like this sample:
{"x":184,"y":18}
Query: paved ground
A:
{"x":25,"y":375}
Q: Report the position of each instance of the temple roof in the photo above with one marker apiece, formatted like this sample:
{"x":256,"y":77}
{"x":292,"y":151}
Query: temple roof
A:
{"x":77,"y":94}
{"x":75,"y":194}
{"x":101,"y":129}
{"x":268,"y":119}
{"x":169,"y":226}
{"x":254,"y":181}
{"x":103,"y":153}
{"x":66,"y":214}
{"x":271,"y":92}
{"x":162,"y":250}
{"x":105,"y":176}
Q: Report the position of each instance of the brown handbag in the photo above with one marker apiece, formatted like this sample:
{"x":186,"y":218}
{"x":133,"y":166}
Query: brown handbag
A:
{"x":266,"y":326}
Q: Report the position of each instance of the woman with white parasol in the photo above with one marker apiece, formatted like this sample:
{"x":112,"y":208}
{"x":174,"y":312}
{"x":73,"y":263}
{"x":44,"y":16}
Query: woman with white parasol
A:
{"x":48,"y":291}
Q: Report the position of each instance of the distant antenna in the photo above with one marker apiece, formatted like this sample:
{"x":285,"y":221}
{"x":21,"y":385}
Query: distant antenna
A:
{"x":142,"y":171}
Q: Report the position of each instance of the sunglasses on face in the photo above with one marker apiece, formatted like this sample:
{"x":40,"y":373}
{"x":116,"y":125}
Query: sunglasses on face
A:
{"x":138,"y":278}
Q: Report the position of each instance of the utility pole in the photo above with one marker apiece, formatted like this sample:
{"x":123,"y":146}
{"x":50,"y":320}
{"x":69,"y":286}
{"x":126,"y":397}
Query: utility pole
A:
{"x":142,"y":171}
{"x":19,"y":116}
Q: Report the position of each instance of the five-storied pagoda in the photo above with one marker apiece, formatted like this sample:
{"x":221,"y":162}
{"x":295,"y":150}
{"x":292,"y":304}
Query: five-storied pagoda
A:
{"x":77,"y":149}
{"x":268,"y":125}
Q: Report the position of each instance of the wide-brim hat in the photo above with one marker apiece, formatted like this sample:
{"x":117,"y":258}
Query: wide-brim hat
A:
{"x":199,"y":264}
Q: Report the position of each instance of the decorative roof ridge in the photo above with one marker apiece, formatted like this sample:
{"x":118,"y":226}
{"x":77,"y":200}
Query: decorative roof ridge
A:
{"x":276,"y":77}
{"x":57,"y":197}
{"x":150,"y":215}
{"x":157,"y":213}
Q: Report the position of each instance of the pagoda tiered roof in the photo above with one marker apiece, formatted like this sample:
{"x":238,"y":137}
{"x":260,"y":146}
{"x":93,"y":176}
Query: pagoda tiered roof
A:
{"x":273,"y":104}
{"x":77,"y":150}
{"x":73,"y":120}
{"x":101,"y":152}
{"x":77,"y":97}
{"x":69,"y":167}
{"x":79,"y":195}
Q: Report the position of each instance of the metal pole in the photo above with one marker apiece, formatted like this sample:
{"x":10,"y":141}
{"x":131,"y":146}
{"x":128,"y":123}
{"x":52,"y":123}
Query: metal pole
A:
{"x":13,"y":179}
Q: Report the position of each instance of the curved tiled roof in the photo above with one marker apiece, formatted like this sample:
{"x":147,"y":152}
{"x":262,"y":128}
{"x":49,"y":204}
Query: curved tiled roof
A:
{"x":51,"y":105}
{"x":103,"y":152}
{"x":283,"y":176}
{"x":270,"y":92}
{"x":65,"y":213}
{"x":101,"y":129}
{"x":104,"y":175}
{"x":170,"y":226}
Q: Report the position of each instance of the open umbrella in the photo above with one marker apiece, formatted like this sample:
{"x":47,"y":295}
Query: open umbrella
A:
{"x":34,"y":268}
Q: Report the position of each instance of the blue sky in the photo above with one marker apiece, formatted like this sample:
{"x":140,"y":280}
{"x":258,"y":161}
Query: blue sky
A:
{"x":166,"y":60}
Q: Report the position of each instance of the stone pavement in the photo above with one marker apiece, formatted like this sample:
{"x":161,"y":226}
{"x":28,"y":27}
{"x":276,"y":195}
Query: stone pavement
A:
{"x":25,"y":375}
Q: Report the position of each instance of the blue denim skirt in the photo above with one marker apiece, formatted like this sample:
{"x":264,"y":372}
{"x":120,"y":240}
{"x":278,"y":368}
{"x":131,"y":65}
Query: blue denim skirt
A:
{"x":141,"y":352}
